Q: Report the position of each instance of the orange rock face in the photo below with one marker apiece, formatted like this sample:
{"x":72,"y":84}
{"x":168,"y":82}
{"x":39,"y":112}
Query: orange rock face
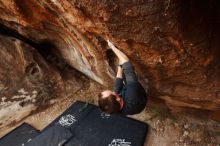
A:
{"x":174,"y":45}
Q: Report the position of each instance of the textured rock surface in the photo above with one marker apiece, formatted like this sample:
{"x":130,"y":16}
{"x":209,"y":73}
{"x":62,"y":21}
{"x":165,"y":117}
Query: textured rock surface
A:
{"x":26,"y":80}
{"x":175,"y":44}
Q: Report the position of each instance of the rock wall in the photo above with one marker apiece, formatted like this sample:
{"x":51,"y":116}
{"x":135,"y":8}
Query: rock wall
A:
{"x":26,"y":80}
{"x":174,"y":45}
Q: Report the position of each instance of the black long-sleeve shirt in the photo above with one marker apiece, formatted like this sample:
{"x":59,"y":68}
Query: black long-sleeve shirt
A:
{"x":132,"y":92}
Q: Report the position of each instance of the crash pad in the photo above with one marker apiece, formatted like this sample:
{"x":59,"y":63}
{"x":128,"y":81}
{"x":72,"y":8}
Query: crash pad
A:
{"x":54,"y":136}
{"x":91,"y":127}
{"x":19,"y":136}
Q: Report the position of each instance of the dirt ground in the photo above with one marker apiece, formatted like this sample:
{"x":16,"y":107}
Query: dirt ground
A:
{"x":165,"y":129}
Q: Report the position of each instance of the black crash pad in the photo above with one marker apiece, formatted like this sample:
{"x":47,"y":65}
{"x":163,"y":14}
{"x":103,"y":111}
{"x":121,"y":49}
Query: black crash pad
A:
{"x":19,"y":136}
{"x":91,"y":127}
{"x":53,"y":136}
{"x":76,"y":113}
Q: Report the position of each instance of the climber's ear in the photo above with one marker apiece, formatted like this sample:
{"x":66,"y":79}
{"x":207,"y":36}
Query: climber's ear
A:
{"x":117,"y":97}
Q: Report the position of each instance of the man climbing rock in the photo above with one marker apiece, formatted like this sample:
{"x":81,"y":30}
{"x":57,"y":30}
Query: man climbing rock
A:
{"x":128,"y":96}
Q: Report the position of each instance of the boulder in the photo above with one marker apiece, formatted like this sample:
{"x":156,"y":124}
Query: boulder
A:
{"x":173,"y":45}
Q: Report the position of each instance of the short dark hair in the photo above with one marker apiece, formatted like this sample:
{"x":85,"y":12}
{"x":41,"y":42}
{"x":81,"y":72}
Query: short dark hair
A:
{"x":108,"y":104}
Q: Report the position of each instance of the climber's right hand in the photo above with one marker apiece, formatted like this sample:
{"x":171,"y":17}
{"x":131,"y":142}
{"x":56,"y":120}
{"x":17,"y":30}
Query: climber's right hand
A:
{"x":110,"y":44}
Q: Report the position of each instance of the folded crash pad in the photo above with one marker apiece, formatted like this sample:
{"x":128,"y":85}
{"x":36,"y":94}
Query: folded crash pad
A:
{"x":53,"y":136}
{"x":91,"y":127}
{"x":19,"y":136}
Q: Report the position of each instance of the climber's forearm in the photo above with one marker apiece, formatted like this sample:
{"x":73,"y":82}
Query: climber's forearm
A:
{"x":121,"y":56}
{"x":119,"y":73}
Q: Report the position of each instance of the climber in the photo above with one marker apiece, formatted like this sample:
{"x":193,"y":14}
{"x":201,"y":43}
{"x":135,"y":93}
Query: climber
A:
{"x":128,"y":96}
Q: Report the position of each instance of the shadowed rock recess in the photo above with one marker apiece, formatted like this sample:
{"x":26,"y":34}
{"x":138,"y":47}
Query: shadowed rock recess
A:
{"x":174,"y":45}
